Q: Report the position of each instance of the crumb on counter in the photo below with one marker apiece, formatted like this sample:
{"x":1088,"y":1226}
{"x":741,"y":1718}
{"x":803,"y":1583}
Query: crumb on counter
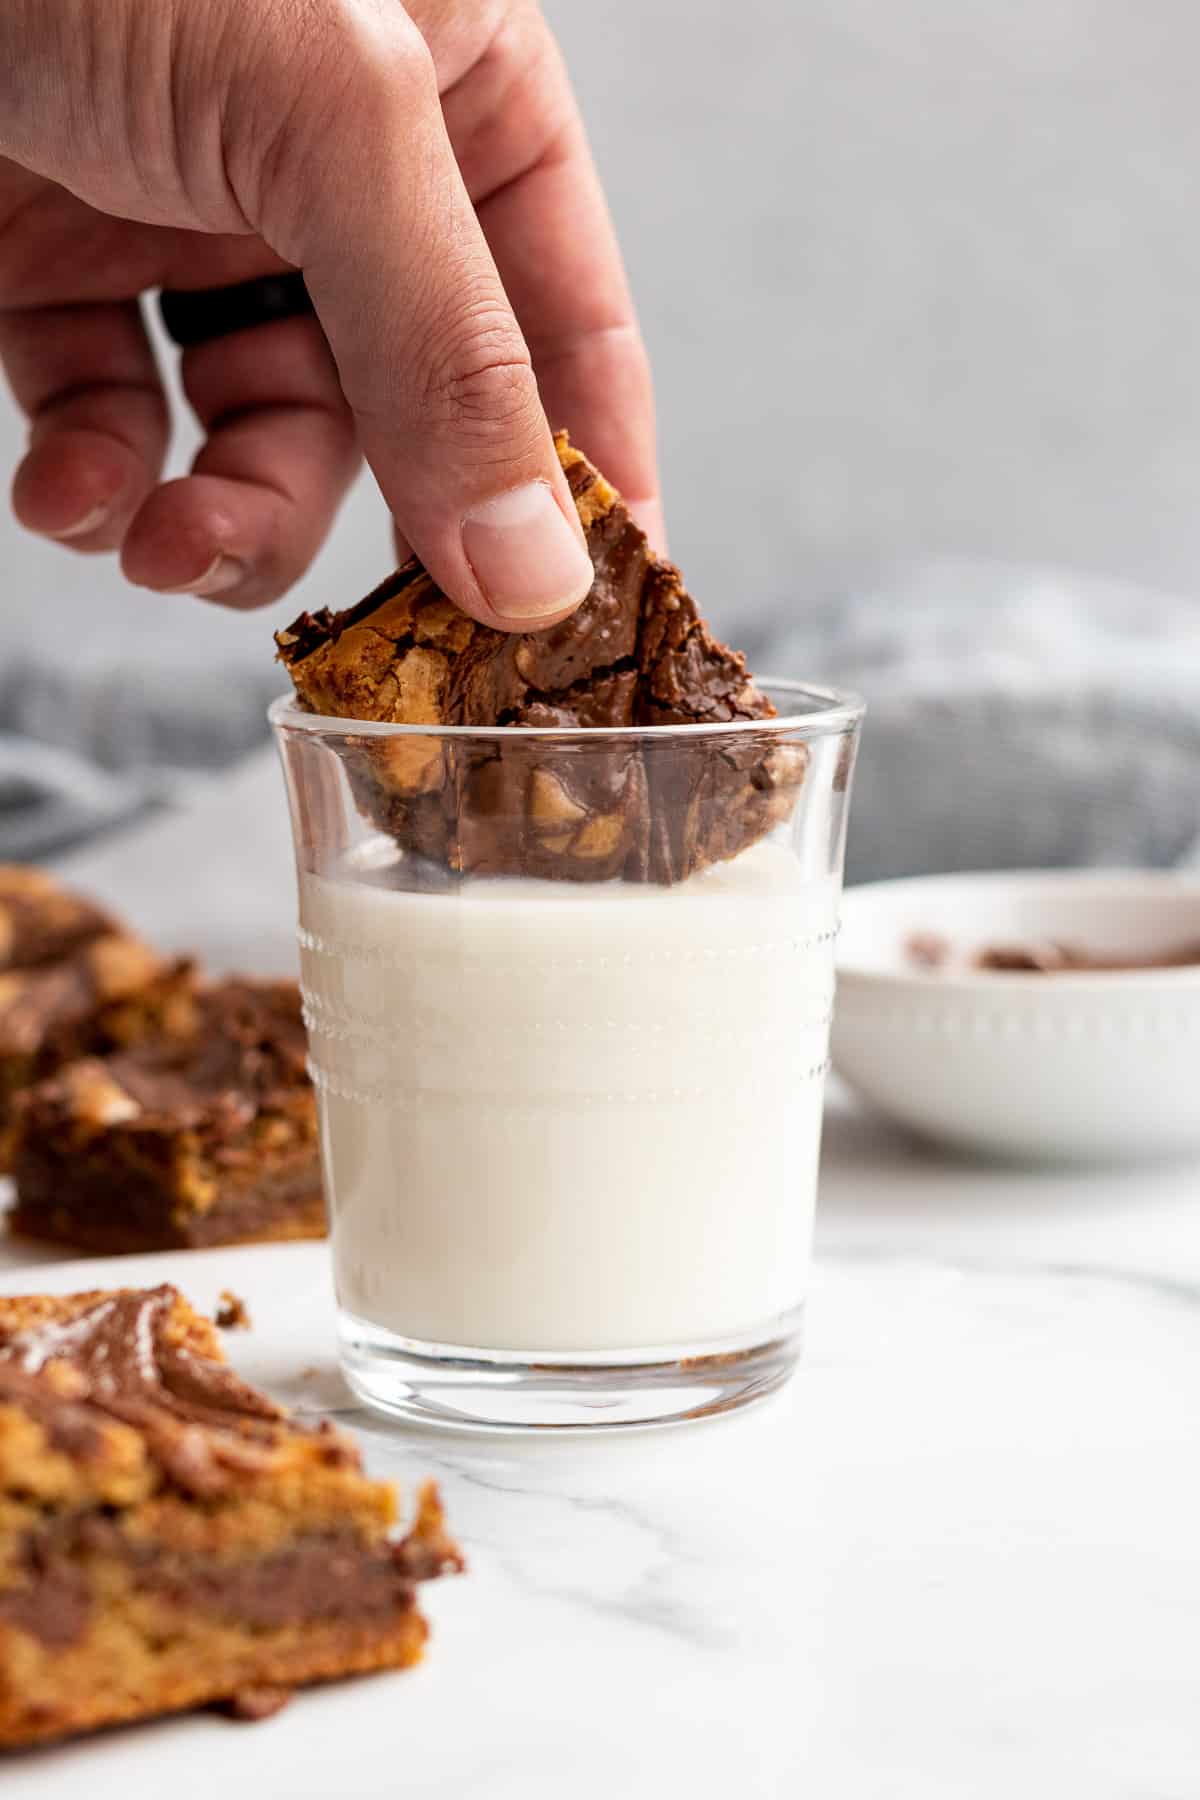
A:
{"x":232,"y":1313}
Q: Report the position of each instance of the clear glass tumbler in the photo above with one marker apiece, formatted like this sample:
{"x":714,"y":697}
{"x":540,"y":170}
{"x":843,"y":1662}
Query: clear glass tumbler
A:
{"x":568,"y":997}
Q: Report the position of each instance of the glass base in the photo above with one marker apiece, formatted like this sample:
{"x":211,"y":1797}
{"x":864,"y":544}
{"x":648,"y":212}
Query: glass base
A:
{"x":497,"y":1390}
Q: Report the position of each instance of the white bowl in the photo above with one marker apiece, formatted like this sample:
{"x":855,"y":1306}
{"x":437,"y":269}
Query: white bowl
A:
{"x":1089,"y":1066}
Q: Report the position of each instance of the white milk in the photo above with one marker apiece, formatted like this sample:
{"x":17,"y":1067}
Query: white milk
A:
{"x":568,"y":1118}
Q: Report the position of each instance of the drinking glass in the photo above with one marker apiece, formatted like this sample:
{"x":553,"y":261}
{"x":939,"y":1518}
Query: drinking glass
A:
{"x":568,"y":998}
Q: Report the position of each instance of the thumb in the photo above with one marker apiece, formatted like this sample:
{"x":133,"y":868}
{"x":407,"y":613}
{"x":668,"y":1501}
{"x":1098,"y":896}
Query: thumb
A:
{"x":361,"y":189}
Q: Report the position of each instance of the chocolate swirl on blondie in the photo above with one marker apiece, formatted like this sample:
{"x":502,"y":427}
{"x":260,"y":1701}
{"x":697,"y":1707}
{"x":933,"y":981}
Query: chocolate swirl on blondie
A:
{"x":169,"y":1536}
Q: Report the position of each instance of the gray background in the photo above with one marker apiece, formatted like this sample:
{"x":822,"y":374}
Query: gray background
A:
{"x":921,"y":279}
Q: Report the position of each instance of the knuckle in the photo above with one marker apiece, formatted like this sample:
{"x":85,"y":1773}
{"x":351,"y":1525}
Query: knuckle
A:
{"x":377,"y":45}
{"x":322,"y":69}
{"x":527,"y":115}
{"x":480,"y":379}
{"x":492,"y":402}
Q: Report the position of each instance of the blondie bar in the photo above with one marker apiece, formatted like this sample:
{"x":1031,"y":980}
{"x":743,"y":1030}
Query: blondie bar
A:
{"x":169,"y":1537}
{"x":207,"y":1139}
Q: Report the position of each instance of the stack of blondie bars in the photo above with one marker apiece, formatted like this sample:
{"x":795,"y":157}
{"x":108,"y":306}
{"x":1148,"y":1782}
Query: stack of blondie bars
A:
{"x":142,"y":1108}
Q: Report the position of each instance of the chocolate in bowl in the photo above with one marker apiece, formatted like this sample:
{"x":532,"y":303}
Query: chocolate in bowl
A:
{"x":930,"y":951}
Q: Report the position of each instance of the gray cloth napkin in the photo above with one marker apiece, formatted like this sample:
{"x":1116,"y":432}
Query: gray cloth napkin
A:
{"x":50,"y":798}
{"x":1016,"y":718}
{"x":80,"y":753}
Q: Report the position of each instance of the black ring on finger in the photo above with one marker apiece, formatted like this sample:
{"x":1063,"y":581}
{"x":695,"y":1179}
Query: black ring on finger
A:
{"x":197,"y":316}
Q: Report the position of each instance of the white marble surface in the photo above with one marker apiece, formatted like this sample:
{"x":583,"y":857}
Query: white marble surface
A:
{"x":959,"y":1557}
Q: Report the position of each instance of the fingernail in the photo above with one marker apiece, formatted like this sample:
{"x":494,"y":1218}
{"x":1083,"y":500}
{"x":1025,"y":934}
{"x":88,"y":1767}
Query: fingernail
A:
{"x":526,"y":558}
{"x":80,"y":527}
{"x":222,"y":572}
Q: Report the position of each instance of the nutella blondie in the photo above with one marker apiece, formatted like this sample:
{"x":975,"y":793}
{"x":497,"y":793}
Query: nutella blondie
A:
{"x":206,"y":1139}
{"x":107,"y":993}
{"x":170,"y":1538}
{"x":41,"y":921}
{"x":635,"y":654}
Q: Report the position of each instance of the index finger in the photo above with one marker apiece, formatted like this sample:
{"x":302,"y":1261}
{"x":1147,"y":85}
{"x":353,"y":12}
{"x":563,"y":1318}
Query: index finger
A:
{"x":547,"y":222}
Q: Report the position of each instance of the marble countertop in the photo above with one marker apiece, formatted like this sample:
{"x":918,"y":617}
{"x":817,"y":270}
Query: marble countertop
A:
{"x":959,"y":1556}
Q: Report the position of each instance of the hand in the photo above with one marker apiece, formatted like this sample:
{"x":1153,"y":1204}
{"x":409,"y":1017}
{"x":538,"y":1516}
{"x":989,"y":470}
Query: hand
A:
{"x":427,"y":169}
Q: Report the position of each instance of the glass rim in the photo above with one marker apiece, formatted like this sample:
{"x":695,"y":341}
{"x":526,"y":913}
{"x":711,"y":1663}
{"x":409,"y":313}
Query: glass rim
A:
{"x":835,"y":712}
